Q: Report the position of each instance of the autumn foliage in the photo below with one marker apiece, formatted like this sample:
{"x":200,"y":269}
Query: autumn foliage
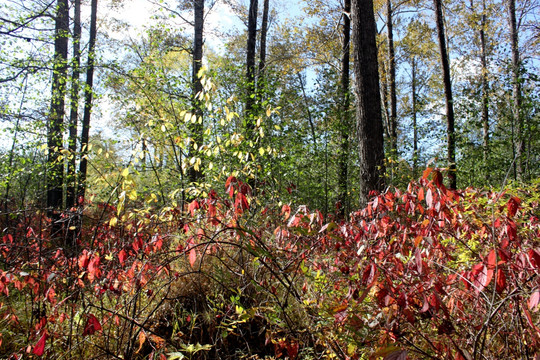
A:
{"x":425,"y":272}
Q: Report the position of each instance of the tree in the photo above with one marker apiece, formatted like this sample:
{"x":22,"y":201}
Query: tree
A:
{"x":445,"y":64}
{"x":74,"y":107}
{"x":368,"y":103}
{"x":197,"y":128}
{"x":55,"y":174}
{"x":516,"y":89}
{"x":250,"y":64}
{"x":392,"y":82}
{"x":88,"y":95}
{"x":344,"y":108}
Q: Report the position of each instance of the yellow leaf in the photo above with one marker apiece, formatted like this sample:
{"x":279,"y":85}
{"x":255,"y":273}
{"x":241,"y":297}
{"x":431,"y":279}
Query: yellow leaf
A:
{"x":125,"y":172}
{"x":113,"y":221}
{"x":261,"y":151}
{"x":268,"y":112}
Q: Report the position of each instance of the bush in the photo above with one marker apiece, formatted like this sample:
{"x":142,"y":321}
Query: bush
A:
{"x":422,"y":273}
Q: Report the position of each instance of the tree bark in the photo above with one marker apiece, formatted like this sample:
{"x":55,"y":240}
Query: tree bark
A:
{"x":74,"y":110}
{"x":516,"y":89}
{"x":197,"y":129}
{"x":345,"y":103}
{"x":368,"y":105}
{"x":264,"y":33}
{"x":55,"y":170}
{"x":485,"y":86}
{"x":414,"y":118}
{"x":250,"y":65}
{"x":450,"y":132}
{"x":88,"y":95}
{"x":392,"y":81}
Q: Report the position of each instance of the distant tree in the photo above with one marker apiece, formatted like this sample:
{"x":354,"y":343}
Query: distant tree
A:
{"x":368,"y":102}
{"x":516,"y":90}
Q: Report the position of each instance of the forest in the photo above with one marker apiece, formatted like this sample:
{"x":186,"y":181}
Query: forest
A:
{"x":270,"y":179}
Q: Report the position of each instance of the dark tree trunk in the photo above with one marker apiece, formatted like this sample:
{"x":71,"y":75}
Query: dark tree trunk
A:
{"x":485,"y":86}
{"x":516,"y":89}
{"x":88,"y":94}
{"x":445,"y":63}
{"x":264,"y":32}
{"x":392,"y":82}
{"x":250,"y":65}
{"x":368,"y":115}
{"x":414,"y":118}
{"x":74,"y":110}
{"x":196,"y":102}
{"x":344,"y":111}
{"x":55,"y":171}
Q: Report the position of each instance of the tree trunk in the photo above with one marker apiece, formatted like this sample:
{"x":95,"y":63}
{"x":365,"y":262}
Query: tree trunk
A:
{"x":392,"y":83}
{"x":250,"y":65}
{"x":414,"y":118}
{"x":74,"y":111}
{"x":88,"y":94}
{"x":485,"y":87}
{"x":516,"y":88}
{"x":445,"y":63}
{"x":344,"y":126}
{"x":264,"y":32}
{"x":55,"y":170}
{"x":197,"y":129}
{"x":368,"y":105}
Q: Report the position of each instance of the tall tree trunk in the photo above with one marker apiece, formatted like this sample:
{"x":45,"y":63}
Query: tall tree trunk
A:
{"x":196,"y":102}
{"x":88,"y":94}
{"x":516,"y":88}
{"x":74,"y":110}
{"x":392,"y":81}
{"x":368,"y":106}
{"x":414,"y":118}
{"x":485,"y":86}
{"x":250,"y":65}
{"x":55,"y":171}
{"x":264,"y":33}
{"x":450,"y":132}
{"x":345,"y":103}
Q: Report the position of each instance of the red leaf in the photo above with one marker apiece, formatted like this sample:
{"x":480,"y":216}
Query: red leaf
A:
{"x":192,"y":257}
{"x":421,"y":194}
{"x":438,"y":179}
{"x":292,"y":349}
{"x":39,"y":348}
{"x":241,"y":202}
{"x":122,"y":256}
{"x":92,"y":325}
{"x":501,"y":281}
{"x":513,"y":205}
{"x":418,"y":258}
{"x":230,"y":180}
{"x":194,"y":205}
{"x":94,"y":270}
{"x":429,"y":198}
{"x":534,"y":299}
{"x":426,"y":173}
{"x":492,"y":259}
{"x":370,"y":275}
{"x":534,"y":258}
